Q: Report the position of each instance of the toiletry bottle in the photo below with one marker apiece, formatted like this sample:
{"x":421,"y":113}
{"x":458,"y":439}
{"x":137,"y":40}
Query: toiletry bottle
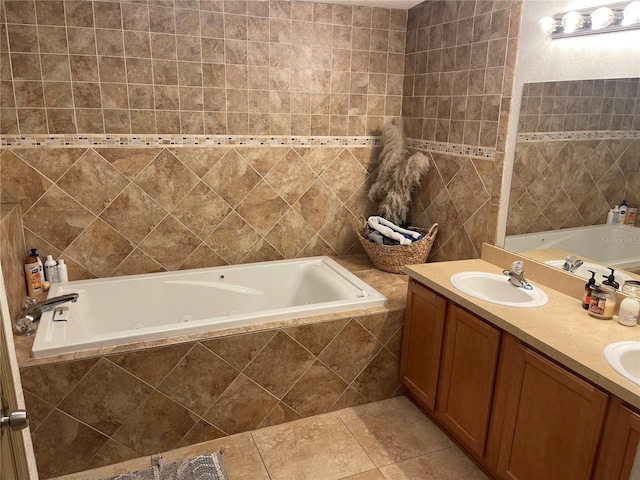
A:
{"x":34,"y":253}
{"x":63,"y":276}
{"x":610,"y":217}
{"x":630,"y":218}
{"x":51,"y":270}
{"x":611,"y":280}
{"x":33,"y":275}
{"x":629,"y":308}
{"x":616,"y":214}
{"x":586,"y":298}
{"x":623,"y":212}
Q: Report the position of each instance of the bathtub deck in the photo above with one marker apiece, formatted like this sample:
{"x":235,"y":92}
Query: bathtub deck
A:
{"x":393,"y":286}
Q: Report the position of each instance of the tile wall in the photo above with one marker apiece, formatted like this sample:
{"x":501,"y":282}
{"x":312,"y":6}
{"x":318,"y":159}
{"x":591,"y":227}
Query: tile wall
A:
{"x":576,"y":155}
{"x":97,"y":411}
{"x":231,"y":67}
{"x":459,"y":70}
{"x":119,"y":211}
{"x":580,"y":105}
{"x":568,"y":183}
{"x":12,"y":250}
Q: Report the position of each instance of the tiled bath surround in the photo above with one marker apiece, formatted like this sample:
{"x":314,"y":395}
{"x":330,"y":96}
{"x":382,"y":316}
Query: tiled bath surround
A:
{"x":581,"y":105}
{"x":576,"y":155}
{"x":199,"y":67}
{"x":117,"y":211}
{"x":571,"y":183}
{"x":291,"y":68}
{"x":97,"y":411}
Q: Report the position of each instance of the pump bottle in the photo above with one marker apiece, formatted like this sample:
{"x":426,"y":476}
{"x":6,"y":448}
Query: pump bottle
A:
{"x":588,"y":288}
{"x":611,"y":280}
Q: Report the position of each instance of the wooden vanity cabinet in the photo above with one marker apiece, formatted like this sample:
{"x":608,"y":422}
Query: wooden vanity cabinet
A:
{"x":519,"y":414}
{"x":467,"y":378}
{"x":619,"y":445}
{"x":552,"y":422}
{"x":422,"y":343}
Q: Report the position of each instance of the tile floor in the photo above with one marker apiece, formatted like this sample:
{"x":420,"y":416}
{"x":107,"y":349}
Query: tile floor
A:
{"x":386,"y":440}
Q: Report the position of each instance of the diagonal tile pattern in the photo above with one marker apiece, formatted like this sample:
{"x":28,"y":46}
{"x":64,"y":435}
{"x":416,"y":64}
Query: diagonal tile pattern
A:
{"x":569,"y":183}
{"x":331,"y":446}
{"x":153,"y":209}
{"x":141,"y":402}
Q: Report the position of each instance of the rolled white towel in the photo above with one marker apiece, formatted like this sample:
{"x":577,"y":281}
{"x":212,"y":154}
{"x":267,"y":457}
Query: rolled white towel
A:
{"x":391,"y":230}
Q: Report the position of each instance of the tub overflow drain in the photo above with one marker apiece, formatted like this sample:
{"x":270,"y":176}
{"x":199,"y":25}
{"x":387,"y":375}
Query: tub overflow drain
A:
{"x":137,"y":326}
{"x":185,"y":318}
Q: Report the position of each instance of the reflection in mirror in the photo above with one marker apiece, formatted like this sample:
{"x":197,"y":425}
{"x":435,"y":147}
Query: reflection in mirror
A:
{"x":577,"y":157}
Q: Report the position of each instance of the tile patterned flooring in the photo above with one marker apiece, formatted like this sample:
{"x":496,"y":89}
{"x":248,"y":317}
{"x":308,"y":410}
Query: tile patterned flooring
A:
{"x":386,"y":440}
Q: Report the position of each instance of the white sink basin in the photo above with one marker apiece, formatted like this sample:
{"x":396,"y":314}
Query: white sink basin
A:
{"x":624,"y":358}
{"x":495,"y":288}
{"x":583,"y":271}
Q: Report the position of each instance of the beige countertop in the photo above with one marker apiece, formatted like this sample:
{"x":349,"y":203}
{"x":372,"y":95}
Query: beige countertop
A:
{"x":561,"y":329}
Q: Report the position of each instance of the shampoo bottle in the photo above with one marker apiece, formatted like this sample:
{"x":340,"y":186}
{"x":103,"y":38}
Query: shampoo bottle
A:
{"x":611,"y":280}
{"x":586,"y":298}
{"x":33,"y":275}
{"x":610,"y":217}
{"x":63,"y":276}
{"x":51,"y":270}
{"x":629,"y":308}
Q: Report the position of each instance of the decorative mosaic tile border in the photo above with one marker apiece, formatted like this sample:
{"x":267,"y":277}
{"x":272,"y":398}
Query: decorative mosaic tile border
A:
{"x":584,"y":135}
{"x":452,"y":148}
{"x":178,"y":140}
{"x":218,"y":140}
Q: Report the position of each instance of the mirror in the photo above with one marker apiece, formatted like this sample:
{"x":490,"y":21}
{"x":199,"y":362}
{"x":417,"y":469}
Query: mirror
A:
{"x":577,"y":156}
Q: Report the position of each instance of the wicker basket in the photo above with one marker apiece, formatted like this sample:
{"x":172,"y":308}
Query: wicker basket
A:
{"x":392,"y":258}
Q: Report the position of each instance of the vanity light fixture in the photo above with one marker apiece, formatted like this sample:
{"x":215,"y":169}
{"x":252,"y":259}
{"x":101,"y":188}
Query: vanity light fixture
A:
{"x":607,"y":18}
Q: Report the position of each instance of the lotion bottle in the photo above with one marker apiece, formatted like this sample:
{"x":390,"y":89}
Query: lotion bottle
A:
{"x":616,"y":214}
{"x":623,"y":213}
{"x":629,"y":308}
{"x":63,"y":276}
{"x":33,"y":275}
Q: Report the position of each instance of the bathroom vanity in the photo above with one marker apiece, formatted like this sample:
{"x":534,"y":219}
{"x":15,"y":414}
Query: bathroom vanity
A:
{"x":525,"y":391}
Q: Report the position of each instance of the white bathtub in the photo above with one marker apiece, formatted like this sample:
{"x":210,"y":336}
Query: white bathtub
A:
{"x":614,"y":245}
{"x":121,"y":310}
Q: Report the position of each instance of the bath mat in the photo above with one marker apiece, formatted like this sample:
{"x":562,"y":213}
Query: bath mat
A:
{"x":204,"y":467}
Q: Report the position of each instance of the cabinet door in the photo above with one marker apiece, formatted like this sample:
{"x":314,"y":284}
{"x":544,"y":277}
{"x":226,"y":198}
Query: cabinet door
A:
{"x":467,"y":378}
{"x":619,"y":445}
{"x":552,"y":423}
{"x":422,"y":343}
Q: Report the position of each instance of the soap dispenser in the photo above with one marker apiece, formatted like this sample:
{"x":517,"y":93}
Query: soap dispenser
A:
{"x":611,"y":280}
{"x":588,"y":288}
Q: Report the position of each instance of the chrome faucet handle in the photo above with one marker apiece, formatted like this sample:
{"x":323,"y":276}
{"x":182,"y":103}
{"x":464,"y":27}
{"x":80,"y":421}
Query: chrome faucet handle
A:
{"x":517,"y":266}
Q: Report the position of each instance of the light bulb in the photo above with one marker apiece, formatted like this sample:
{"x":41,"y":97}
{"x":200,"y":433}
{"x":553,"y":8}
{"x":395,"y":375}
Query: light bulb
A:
{"x":601,"y":18}
{"x":572,"y":21}
{"x":548,"y":25}
{"x":631,"y":14}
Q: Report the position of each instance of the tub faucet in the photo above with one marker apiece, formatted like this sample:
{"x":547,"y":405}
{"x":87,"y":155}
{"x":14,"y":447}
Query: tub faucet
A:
{"x":34,"y":313}
{"x":571,"y":263}
{"x":516,"y":275}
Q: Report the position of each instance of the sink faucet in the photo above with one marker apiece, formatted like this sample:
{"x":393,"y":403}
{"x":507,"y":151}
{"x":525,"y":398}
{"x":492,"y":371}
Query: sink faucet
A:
{"x":34,"y":313}
{"x":516,"y":276}
{"x":571,"y":263}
